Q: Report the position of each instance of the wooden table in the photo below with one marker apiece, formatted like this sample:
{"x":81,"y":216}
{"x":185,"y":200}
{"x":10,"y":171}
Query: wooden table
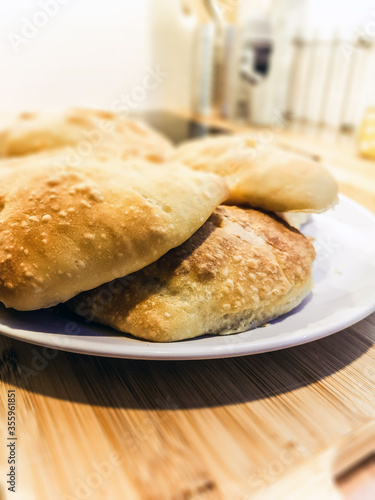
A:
{"x":277,"y":425}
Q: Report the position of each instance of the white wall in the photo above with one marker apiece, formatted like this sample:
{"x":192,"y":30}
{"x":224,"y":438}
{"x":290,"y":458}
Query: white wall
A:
{"x":350,"y":89}
{"x":173,"y":31}
{"x":88,"y":53}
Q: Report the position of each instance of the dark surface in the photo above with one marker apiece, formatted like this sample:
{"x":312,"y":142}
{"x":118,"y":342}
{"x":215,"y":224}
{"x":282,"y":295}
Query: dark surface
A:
{"x":178,"y":128}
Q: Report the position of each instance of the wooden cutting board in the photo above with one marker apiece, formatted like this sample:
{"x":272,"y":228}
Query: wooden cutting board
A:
{"x":277,"y":425}
{"x":223,"y":429}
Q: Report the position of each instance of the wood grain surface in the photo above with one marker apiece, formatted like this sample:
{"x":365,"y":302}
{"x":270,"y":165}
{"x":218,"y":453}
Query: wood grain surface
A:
{"x":101,"y":428}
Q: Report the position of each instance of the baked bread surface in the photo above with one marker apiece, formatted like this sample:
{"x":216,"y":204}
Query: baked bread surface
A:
{"x":82,"y":132}
{"x":65,"y":230}
{"x":241,"y":269}
{"x":262,"y":176}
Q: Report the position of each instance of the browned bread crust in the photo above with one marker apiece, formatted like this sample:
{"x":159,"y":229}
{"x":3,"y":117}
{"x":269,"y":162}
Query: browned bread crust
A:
{"x":241,"y":269}
{"x":82,"y":132}
{"x":65,"y":230}
{"x":267,"y":178}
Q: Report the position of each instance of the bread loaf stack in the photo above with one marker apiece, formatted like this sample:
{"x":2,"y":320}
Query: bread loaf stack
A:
{"x":135,"y":235}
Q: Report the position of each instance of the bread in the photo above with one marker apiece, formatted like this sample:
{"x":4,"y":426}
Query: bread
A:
{"x":241,"y":269}
{"x":65,"y":230}
{"x":82,"y":132}
{"x":271,"y":178}
{"x":295,"y":219}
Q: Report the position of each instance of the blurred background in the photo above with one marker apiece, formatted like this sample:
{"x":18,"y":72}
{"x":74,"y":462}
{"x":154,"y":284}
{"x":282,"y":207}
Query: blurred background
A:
{"x":297,"y":73}
{"x":270,"y":63}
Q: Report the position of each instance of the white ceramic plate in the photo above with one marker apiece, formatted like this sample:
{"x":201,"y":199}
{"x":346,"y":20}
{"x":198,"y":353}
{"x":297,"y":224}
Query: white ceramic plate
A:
{"x":344,"y":293}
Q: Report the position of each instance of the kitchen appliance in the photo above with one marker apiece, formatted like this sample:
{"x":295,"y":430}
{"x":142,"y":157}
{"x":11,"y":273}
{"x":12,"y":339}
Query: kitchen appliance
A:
{"x":229,"y":61}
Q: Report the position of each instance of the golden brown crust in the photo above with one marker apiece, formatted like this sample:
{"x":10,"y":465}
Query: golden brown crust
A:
{"x":64,"y":230}
{"x":81,"y":133}
{"x":269,"y":178}
{"x":241,"y":269}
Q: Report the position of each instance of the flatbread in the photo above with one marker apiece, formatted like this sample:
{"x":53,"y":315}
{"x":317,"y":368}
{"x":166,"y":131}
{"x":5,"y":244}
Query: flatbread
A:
{"x":65,"y":230}
{"x":268,"y":178}
{"x":241,"y":269}
{"x":80,"y":133}
{"x":295,"y":219}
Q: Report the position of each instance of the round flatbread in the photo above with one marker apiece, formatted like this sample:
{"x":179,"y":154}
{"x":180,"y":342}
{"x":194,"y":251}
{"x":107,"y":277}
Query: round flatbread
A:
{"x":241,"y":269}
{"x":81,"y":133}
{"x":65,"y":230}
{"x":268,"y":178}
